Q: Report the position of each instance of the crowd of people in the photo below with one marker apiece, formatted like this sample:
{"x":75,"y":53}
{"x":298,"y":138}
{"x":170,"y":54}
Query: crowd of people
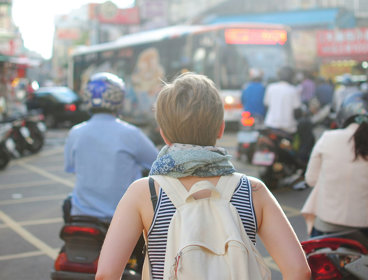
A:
{"x":338,"y":162}
{"x":297,"y":101}
{"x":108,"y":157}
{"x":316,"y":93}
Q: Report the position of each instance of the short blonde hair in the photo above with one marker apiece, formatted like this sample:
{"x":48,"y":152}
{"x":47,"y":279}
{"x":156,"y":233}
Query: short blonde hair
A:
{"x":190,"y":110}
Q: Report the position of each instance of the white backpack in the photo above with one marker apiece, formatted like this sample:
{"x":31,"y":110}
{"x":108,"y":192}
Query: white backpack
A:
{"x":206,"y":238}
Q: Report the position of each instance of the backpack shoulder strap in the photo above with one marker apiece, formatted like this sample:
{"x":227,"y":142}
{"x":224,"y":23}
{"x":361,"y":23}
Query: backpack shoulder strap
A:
{"x":152,"y":189}
{"x":179,"y":195}
{"x":228,"y":184}
{"x":173,"y":188}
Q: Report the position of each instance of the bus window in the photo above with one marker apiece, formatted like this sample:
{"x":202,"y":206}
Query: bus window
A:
{"x":198,"y":60}
{"x":124,"y":63}
{"x":173,"y":57}
{"x":233,"y":68}
{"x":203,"y":56}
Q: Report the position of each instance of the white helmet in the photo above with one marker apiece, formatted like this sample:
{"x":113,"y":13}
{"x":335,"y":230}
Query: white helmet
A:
{"x":255,"y":74}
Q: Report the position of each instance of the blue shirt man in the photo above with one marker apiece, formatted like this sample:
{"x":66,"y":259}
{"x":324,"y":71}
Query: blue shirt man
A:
{"x":107,"y":155}
{"x":252,"y":98}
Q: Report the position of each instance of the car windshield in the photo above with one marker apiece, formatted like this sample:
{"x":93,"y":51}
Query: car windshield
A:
{"x":63,"y":94}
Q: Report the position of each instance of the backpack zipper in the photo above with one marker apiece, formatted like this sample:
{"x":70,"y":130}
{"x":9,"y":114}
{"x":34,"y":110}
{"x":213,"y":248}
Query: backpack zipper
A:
{"x":177,"y":260}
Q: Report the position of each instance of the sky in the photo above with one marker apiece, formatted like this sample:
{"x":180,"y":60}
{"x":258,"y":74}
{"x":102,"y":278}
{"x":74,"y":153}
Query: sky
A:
{"x":35,"y":19}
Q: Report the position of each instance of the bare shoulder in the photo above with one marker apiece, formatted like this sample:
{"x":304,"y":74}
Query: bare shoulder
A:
{"x":256,"y":184}
{"x":138,"y":188}
{"x":260,"y":192}
{"x":136,"y":193}
{"x":136,"y":197}
{"x":262,"y":198}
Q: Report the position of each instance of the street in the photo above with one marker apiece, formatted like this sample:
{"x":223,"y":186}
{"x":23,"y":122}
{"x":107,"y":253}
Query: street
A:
{"x":31,"y":193}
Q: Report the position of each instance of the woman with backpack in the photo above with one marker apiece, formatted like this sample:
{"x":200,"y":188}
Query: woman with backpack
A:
{"x":189,"y":174}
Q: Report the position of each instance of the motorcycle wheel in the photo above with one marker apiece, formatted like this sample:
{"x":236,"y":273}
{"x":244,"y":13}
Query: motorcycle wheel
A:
{"x":4,"y":159}
{"x":38,"y":141}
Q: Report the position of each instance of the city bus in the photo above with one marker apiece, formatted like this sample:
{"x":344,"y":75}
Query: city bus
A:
{"x":146,"y":60}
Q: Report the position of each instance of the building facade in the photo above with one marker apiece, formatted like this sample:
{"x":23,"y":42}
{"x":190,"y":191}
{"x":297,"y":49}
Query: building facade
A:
{"x":98,"y":23}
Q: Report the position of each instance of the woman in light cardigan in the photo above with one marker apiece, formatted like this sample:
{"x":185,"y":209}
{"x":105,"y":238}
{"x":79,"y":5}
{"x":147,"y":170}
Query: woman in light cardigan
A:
{"x":338,"y":171}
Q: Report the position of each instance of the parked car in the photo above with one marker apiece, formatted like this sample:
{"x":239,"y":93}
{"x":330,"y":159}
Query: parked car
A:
{"x":60,"y":105}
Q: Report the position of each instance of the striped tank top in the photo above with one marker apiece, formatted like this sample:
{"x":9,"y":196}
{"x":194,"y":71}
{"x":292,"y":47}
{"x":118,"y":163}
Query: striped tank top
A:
{"x":157,"y":235}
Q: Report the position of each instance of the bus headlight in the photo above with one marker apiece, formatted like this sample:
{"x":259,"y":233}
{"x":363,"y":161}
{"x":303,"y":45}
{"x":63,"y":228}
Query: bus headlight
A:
{"x":229,"y":100}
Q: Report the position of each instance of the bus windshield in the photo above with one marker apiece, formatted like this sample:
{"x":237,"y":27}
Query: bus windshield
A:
{"x":236,"y":60}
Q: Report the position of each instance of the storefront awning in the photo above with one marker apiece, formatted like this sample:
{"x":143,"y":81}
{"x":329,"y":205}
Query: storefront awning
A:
{"x":29,"y":62}
{"x":24,"y":61}
{"x":4,"y":58}
{"x":328,"y":18}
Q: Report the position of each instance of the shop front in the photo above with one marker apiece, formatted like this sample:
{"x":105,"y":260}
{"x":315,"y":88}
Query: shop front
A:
{"x":13,"y":80}
{"x":343,"y":51}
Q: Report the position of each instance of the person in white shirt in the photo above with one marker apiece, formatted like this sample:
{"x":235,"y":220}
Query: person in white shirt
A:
{"x":282,"y":100}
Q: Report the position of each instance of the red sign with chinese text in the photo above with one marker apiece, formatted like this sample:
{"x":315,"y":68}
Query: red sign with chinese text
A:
{"x":255,"y":36}
{"x":342,"y":42}
{"x":114,"y":16}
{"x":67,"y":34}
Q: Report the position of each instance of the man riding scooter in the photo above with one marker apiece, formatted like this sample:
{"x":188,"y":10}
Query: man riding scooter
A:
{"x":107,"y":155}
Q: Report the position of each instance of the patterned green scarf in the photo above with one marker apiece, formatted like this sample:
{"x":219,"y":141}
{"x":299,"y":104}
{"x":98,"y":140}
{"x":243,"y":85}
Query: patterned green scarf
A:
{"x":181,"y":160}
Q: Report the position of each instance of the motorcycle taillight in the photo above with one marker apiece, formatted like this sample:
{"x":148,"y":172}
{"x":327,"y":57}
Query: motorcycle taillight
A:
{"x":320,"y":253}
{"x":322,"y":268}
{"x":247,"y":119}
{"x":63,"y":264}
{"x":80,"y":230}
{"x":333,"y":243}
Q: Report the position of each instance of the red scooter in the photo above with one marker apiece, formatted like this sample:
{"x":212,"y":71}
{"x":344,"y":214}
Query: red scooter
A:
{"x":83,"y":237}
{"x":338,"y":256}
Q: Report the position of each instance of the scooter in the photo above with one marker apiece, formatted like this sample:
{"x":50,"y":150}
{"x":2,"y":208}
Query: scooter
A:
{"x":6,"y":145}
{"x":342,"y":255}
{"x":247,"y":135}
{"x":83,"y":237}
{"x":37,"y":130}
{"x":277,"y":159}
{"x":27,"y":133}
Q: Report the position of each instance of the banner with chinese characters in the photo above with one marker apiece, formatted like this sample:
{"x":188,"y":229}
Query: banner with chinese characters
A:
{"x":343,"y":43}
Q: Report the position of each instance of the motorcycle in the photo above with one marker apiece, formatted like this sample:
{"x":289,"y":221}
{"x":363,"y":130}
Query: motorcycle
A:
{"x":342,"y":255}
{"x":247,"y":135}
{"x":277,"y":158}
{"x":37,"y":129}
{"x":282,"y":156}
{"x":21,"y":136}
{"x":325,"y":117}
{"x":83,"y":237}
{"x":6,"y":145}
{"x":27,"y":133}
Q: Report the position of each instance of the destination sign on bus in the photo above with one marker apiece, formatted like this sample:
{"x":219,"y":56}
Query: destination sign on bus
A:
{"x":248,"y":36}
